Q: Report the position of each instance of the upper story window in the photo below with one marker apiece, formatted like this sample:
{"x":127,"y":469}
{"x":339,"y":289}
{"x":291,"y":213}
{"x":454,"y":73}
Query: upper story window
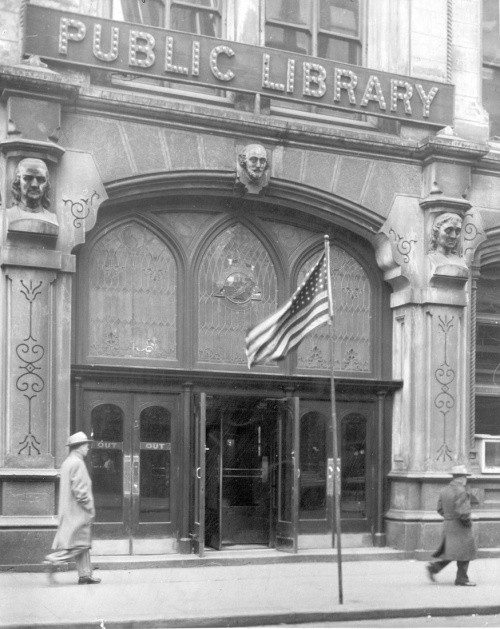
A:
{"x":322,"y":28}
{"x":491,"y":63}
{"x":203,"y":17}
{"x":328,"y":29}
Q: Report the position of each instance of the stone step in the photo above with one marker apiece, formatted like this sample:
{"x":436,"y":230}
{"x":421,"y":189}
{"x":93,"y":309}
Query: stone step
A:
{"x":238,"y":557}
{"x":246,"y":557}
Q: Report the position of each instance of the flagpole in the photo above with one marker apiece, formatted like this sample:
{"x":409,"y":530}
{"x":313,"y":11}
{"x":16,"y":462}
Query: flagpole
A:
{"x":336,"y":459}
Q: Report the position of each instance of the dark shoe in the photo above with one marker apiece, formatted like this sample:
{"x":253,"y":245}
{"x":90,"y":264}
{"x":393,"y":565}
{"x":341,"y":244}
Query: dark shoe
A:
{"x":466,"y":583}
{"x":50,"y":568}
{"x":88,"y":580}
{"x":430,"y":572}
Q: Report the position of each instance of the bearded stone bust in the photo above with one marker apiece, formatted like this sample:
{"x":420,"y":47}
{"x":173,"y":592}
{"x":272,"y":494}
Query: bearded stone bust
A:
{"x":30,"y":190}
{"x":252,"y":168}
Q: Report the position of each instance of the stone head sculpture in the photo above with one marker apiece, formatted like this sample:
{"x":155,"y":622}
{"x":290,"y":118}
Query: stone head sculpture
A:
{"x":446,"y":233}
{"x":31,"y":186}
{"x":253,"y":168}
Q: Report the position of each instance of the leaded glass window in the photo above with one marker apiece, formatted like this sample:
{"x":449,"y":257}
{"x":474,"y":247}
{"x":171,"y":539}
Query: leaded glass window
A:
{"x":132,"y":296}
{"x":237,"y":289}
{"x":352,"y":303}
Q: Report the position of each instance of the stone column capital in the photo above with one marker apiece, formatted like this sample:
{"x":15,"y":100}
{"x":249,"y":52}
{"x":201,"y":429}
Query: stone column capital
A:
{"x":416,"y":255}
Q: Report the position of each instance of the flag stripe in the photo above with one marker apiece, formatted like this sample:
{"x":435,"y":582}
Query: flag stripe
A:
{"x":286,"y":332}
{"x":275,"y":326}
{"x":308,"y":308}
{"x":274,"y":333}
{"x":289,"y":340}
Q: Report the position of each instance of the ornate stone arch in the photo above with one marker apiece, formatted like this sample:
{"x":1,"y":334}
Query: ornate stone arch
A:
{"x":281,"y":193}
{"x":172,"y":191}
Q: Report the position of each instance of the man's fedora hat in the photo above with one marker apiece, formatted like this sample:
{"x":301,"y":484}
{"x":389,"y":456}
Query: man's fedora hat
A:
{"x":77,"y":439}
{"x":460,"y":470}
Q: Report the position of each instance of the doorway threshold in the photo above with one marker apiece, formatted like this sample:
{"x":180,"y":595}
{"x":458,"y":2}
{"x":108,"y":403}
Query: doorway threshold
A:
{"x":238,"y":548}
{"x":245,"y":556}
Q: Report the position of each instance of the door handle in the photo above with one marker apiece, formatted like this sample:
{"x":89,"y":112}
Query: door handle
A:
{"x":265,"y":469}
{"x":135,"y":475}
{"x":198,"y":473}
{"x":127,"y":474}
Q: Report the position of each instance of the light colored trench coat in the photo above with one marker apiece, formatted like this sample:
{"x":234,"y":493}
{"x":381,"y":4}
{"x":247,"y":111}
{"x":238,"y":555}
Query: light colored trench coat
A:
{"x":76,"y":504}
{"x":458,"y":541}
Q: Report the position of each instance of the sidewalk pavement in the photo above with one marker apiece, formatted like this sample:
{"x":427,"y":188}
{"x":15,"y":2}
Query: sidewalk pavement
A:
{"x":245,"y":595}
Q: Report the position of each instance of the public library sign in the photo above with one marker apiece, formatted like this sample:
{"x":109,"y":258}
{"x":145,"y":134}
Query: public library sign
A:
{"x":195,"y":59}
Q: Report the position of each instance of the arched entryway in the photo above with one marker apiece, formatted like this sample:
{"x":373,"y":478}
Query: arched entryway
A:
{"x":165,"y":296}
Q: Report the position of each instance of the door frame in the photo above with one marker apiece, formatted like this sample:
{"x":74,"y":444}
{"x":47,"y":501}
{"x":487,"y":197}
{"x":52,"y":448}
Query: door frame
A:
{"x":130,"y":535}
{"x":288,"y":452}
{"x":283,"y":534}
{"x":187,"y":382}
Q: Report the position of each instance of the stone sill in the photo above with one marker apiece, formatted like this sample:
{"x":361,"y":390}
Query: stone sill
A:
{"x":28,"y":473}
{"x":28,"y":521}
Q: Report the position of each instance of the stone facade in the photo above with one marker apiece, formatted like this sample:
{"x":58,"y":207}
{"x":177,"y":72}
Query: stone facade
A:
{"x":386,"y":186}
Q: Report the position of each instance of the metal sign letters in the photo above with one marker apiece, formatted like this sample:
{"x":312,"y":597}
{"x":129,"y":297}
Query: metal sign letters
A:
{"x":194,"y":59}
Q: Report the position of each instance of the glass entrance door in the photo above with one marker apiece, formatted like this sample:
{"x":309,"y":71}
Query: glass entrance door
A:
{"x":131,"y":462}
{"x":237,"y":470}
{"x":357,"y":447}
{"x":287,"y":475}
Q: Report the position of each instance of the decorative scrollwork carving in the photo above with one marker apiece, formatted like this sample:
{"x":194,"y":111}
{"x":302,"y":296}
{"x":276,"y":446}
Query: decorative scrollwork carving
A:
{"x":470,"y":233}
{"x":403,"y":246}
{"x":30,"y":352}
{"x":80,"y":209}
{"x":444,"y":400}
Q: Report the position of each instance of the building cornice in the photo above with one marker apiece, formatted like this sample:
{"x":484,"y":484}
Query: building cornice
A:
{"x":74,"y":90}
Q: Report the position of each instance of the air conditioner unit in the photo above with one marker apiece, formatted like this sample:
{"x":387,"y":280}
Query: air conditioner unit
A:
{"x":489,"y":453}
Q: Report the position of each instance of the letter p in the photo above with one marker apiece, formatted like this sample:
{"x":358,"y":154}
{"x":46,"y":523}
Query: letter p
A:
{"x":70,"y":30}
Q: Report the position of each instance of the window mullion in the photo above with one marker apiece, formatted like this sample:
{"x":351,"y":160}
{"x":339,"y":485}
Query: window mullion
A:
{"x":168,"y":11}
{"x":315,"y":28}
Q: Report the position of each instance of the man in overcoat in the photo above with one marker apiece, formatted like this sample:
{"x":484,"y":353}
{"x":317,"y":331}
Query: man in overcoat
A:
{"x":76,"y":512}
{"x":458,"y":542}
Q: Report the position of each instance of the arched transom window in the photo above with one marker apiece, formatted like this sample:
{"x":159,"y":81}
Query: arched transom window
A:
{"x":352,"y":298}
{"x":132,"y":296}
{"x":237,"y":290}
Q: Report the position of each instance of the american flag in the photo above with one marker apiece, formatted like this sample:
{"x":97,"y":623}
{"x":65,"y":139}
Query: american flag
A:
{"x":281,"y":332}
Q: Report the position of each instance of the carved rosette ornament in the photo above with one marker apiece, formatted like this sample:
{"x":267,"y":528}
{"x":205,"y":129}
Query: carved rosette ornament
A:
{"x":252,"y":169}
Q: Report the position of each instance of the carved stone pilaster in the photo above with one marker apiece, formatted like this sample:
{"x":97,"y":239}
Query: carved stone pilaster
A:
{"x":431,"y":350}
{"x":37,"y":270}
{"x":30,"y":351}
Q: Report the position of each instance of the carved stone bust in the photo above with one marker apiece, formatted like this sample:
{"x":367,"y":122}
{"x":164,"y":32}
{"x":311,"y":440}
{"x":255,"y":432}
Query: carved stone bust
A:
{"x":445,"y":240}
{"x":30,"y":190}
{"x":252,"y":168}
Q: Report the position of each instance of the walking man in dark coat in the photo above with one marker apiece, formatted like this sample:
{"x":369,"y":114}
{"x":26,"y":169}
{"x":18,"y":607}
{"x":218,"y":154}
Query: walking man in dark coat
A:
{"x":458,"y":541}
{"x":76,"y":513}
